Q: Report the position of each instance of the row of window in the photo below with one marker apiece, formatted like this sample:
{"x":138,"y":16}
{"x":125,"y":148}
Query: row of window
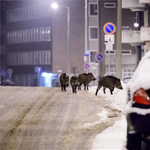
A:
{"x":127,"y":71}
{"x":33,"y":12}
{"x":29,"y":58}
{"x":27,"y":13}
{"x":29,"y":35}
{"x":93,"y":7}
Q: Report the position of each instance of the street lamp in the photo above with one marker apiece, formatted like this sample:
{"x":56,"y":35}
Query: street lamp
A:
{"x":55,"y":6}
{"x":136,"y":24}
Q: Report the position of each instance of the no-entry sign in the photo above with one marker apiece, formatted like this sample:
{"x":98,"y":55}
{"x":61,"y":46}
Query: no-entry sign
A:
{"x":9,"y":71}
{"x":99,"y":57}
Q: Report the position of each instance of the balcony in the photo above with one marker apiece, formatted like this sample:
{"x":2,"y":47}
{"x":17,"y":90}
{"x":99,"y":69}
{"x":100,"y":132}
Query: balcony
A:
{"x":132,"y":36}
{"x":145,"y":33}
{"x":134,"y":5}
{"x":145,"y":1}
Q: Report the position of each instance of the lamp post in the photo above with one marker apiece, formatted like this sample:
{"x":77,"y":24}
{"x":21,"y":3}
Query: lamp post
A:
{"x":55,"y":6}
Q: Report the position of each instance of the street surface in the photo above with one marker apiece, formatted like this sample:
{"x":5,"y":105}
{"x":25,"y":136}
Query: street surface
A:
{"x":40,"y":118}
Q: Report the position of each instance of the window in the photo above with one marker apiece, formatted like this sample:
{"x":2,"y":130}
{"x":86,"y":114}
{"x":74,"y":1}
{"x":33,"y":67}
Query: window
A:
{"x":93,"y":9}
{"x":12,"y":37}
{"x":25,"y":36}
{"x":126,"y":52}
{"x":2,"y":39}
{"x":29,"y":35}
{"x":110,"y":5}
{"x":112,"y":70}
{"x":29,"y":58}
{"x":92,"y":56}
{"x":110,"y":52}
{"x":48,"y":34}
{"x":93,"y":33}
{"x":8,"y":16}
{"x":48,"y":57}
{"x":35,"y":34}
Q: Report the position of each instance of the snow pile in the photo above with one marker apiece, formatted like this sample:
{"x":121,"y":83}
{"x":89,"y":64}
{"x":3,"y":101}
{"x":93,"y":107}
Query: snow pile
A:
{"x":103,"y":119}
{"x":141,"y":76}
{"x":113,"y":137}
{"x":140,"y":79}
{"x":118,"y":99}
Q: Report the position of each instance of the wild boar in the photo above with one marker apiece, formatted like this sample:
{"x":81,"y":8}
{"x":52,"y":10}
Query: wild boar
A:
{"x":109,"y":82}
{"x":64,"y":81}
{"x":74,"y":83}
{"x":85,"y":79}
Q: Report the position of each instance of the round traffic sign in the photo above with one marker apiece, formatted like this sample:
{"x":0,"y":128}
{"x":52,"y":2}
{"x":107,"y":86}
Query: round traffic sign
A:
{"x":109,"y":28}
{"x":86,"y":65}
{"x":9,"y":71}
{"x":99,"y":57}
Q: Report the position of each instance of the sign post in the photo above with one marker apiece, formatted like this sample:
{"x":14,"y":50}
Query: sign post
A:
{"x":10,"y":71}
{"x":109,"y":30}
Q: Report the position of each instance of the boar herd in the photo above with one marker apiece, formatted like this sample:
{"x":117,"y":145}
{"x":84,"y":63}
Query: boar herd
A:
{"x":109,"y":82}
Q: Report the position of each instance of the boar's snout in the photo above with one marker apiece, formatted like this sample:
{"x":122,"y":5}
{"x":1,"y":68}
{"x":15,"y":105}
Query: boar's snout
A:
{"x":120,"y":87}
{"x":93,"y":79}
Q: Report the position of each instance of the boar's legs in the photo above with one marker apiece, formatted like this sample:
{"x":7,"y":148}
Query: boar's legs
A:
{"x":104,"y":90}
{"x":62,"y":88}
{"x":85,"y":87}
{"x":98,"y":88}
{"x":73,"y":89}
{"x":79,"y":87}
{"x":111,"y":90}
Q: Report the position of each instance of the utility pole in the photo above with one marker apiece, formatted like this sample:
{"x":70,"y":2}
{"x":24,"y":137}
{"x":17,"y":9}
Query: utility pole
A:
{"x":119,"y":40}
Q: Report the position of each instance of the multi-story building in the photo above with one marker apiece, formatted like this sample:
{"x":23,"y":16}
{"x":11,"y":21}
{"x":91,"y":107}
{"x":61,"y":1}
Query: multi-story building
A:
{"x":35,"y":36}
{"x":98,"y":14}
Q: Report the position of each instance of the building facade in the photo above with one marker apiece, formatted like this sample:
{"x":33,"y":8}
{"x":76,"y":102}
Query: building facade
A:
{"x":99,"y":13}
{"x":35,"y":41}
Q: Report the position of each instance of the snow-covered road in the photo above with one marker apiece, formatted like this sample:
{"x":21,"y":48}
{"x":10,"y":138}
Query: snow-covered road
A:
{"x":39,"y":118}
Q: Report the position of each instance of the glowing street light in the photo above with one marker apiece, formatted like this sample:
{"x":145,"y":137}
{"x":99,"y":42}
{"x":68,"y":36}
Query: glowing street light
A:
{"x":55,"y":6}
{"x":136,"y":24}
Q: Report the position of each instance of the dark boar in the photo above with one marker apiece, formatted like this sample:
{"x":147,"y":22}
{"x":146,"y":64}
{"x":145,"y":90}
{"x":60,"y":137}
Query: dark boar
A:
{"x":85,"y":79}
{"x":64,"y":81}
{"x":109,"y":82}
{"x":74,"y":83}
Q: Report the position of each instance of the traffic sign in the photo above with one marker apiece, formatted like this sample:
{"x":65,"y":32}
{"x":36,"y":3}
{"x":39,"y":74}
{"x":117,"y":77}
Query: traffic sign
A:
{"x":109,"y":28}
{"x":9,"y":71}
{"x":109,"y":39}
{"x":86,"y":65}
{"x":99,"y":57}
{"x":109,"y":47}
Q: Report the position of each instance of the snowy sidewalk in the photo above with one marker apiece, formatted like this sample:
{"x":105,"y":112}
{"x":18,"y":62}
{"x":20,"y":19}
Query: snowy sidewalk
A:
{"x":113,"y":138}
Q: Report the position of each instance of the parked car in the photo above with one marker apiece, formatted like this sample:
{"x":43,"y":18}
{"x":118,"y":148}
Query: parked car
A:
{"x":138,"y":107}
{"x":7,"y":82}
